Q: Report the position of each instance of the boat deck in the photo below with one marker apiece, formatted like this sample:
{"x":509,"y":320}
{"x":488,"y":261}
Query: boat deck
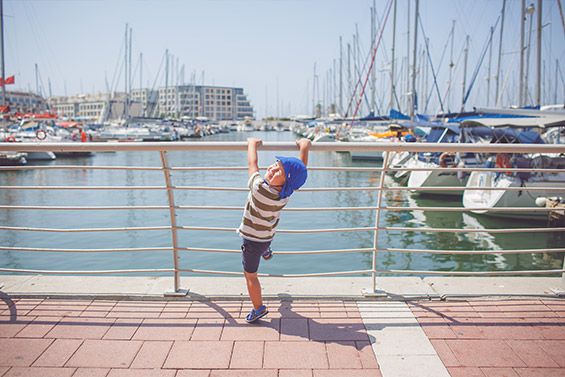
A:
{"x":407,"y":334}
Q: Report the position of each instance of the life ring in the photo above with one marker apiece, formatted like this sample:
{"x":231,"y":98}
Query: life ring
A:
{"x":503,"y":161}
{"x":10,"y":139}
{"x":40,"y":134}
{"x":444,"y":157}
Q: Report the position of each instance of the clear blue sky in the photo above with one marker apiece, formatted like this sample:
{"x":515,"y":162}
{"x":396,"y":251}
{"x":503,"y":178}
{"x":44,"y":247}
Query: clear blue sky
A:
{"x":257,"y":45}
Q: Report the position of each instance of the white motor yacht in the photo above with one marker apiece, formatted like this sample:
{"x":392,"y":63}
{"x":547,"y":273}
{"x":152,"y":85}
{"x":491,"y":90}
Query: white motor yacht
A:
{"x":523,"y":198}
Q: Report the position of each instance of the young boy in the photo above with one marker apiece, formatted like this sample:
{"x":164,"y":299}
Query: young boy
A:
{"x":267,"y":197}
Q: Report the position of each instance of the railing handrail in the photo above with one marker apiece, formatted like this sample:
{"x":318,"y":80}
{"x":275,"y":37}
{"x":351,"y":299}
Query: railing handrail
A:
{"x":281,"y":146}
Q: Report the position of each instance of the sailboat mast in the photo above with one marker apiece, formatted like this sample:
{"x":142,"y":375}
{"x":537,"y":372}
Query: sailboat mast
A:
{"x":392,"y":86}
{"x":529,"y":10}
{"x":373,"y":71}
{"x":36,"y":80}
{"x":340,"y":76}
{"x":2,"y":49}
{"x":130,"y":80}
{"x":166,"y":82}
{"x":140,"y":70}
{"x":497,"y":99}
{"x":538,"y":48}
{"x":556,"y":81}
{"x":489,"y":64}
{"x":451,"y":66}
{"x":126,"y":73}
{"x":414,"y":61}
{"x":408,"y":58}
{"x":522,"y":30}
{"x":464,"y":73}
{"x":349,"y":85}
{"x":314,"y":91}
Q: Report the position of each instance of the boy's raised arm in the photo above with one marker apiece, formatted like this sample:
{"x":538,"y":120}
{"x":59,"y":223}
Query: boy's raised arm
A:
{"x":304,"y":146}
{"x":252,"y":164}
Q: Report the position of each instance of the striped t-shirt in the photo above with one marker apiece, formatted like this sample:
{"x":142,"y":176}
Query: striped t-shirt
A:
{"x":262,"y":211}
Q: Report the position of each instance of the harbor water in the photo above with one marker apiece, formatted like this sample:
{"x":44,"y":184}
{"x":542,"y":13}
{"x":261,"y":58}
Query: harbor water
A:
{"x":288,"y":264}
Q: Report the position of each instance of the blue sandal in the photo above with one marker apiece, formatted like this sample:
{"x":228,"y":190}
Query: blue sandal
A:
{"x":255,"y":314}
{"x":268,"y":254}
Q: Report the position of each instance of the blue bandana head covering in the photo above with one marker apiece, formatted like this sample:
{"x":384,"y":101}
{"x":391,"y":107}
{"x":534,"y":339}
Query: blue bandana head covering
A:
{"x":295,"y":174}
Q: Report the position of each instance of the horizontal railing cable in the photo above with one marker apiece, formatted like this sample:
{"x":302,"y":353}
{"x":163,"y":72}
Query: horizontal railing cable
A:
{"x":83,"y":208}
{"x":303,"y":209}
{"x":472,"y":273}
{"x":112,"y":250}
{"x":336,"y":251}
{"x":80,"y":167}
{"x":83,"y":188}
{"x":473,"y":230}
{"x":288,"y":231}
{"x":456,"y":252}
{"x":313,"y":189}
{"x":82,"y":272}
{"x":474,"y":188}
{"x":312,"y":168}
{"x":403,"y":229}
{"x":471,"y":209}
{"x":337,"y":273}
{"x":219,"y":146}
{"x":81,"y":230}
{"x":295,"y":209}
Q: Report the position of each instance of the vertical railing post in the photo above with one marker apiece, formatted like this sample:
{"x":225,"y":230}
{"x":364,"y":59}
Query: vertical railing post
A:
{"x":563,"y":274}
{"x":373,"y":291}
{"x":172,"y":213}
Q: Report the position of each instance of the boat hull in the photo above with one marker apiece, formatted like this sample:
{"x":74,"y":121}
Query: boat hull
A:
{"x":424,"y":178}
{"x":507,"y":199}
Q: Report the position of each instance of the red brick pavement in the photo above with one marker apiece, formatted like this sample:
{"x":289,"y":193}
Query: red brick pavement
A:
{"x":315,"y":338}
{"x":486,"y":338}
{"x":182,"y":339}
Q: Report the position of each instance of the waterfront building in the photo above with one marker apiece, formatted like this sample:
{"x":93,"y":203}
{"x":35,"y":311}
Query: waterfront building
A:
{"x":98,"y":107}
{"x":25,"y":102}
{"x":213,"y":102}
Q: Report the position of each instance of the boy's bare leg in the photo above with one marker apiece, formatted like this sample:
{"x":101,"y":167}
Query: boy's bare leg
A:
{"x":254,"y":289}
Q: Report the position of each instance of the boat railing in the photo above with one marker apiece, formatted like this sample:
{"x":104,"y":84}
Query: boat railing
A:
{"x":169,"y":187}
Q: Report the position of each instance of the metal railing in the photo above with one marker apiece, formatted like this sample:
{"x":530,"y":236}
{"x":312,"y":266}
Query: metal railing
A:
{"x":170,"y":188}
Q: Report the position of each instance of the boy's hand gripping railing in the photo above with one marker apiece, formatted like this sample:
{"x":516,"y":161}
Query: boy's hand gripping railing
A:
{"x":172,"y":213}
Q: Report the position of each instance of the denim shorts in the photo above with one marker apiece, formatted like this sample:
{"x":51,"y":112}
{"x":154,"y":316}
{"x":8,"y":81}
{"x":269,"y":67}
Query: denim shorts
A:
{"x":251,"y":254}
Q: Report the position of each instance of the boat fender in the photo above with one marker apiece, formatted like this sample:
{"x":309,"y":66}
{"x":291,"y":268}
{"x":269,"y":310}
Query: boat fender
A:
{"x":40,"y":134}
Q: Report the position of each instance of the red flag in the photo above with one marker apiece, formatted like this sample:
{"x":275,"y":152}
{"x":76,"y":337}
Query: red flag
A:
{"x":10,"y":80}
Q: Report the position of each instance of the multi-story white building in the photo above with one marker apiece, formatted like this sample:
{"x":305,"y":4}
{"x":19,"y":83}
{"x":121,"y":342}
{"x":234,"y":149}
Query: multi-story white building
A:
{"x":213,"y":102}
{"x":82,"y":106}
{"x":24,"y":102}
{"x":98,"y":107}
